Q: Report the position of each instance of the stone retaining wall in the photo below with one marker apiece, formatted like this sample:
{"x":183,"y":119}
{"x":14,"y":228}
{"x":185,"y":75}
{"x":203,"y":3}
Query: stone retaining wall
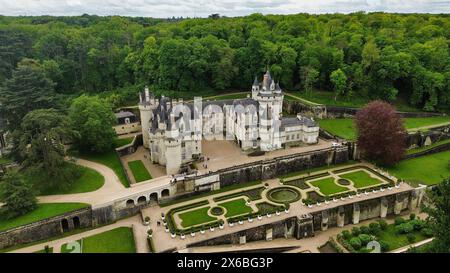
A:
{"x":437,"y":149}
{"x":46,"y":228}
{"x":307,"y":225}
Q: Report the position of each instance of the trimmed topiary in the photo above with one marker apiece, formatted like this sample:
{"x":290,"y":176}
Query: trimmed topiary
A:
{"x":355,"y":243}
{"x":346,"y":234}
{"x":399,"y":220}
{"x":375,"y":228}
{"x":365,"y":238}
{"x":364,"y":229}
{"x":383,"y":224}
{"x":411,"y":238}
{"x":356,"y":231}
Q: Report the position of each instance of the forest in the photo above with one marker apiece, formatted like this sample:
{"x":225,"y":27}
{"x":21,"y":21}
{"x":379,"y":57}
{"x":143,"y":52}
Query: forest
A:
{"x":373,"y":55}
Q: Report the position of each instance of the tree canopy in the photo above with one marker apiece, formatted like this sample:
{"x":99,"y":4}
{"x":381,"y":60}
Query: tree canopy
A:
{"x":93,"y":119}
{"x":384,"y":56}
{"x":381,"y":133}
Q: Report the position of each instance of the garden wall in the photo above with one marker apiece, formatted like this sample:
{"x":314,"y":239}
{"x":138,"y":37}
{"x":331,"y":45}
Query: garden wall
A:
{"x":437,"y":149}
{"x":307,"y":225}
{"x":46,"y":228}
{"x":268,"y":169}
{"x":420,"y":139}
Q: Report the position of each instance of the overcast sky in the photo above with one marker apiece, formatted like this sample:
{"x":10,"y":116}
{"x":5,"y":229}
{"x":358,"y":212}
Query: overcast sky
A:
{"x":202,"y":8}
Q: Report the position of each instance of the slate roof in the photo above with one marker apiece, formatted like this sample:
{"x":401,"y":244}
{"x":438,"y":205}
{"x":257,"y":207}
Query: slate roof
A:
{"x":290,"y":122}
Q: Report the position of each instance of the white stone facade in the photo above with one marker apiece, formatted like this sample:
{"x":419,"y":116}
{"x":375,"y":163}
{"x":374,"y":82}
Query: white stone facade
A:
{"x":173,"y":129}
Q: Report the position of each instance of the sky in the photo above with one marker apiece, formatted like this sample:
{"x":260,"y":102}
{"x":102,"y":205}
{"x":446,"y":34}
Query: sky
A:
{"x":202,"y":8}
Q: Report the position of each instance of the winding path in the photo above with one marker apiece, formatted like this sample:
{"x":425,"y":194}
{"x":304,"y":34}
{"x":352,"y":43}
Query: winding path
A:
{"x":112,"y":185}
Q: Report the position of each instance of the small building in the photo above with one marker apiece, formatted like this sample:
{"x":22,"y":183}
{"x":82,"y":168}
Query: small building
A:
{"x":127,"y":123}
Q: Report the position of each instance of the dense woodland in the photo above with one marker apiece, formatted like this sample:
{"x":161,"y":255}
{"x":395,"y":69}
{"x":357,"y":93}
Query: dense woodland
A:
{"x":375,"y":55}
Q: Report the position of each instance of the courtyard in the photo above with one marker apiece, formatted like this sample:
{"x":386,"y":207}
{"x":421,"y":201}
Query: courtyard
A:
{"x":226,"y":153}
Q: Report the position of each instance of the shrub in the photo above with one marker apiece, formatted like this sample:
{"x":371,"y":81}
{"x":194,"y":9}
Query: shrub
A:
{"x":374,"y":228}
{"x":150,"y":231}
{"x":399,"y":220}
{"x":411,"y":238}
{"x":384,"y":246}
{"x":355,"y":243}
{"x":346,"y":235}
{"x":412,"y":216}
{"x":356,"y":231}
{"x":147,"y":219}
{"x":417,"y":224}
{"x":404,"y":228}
{"x":365,"y":238}
{"x":383,"y":224}
{"x":364,"y":229}
{"x":427,"y":232}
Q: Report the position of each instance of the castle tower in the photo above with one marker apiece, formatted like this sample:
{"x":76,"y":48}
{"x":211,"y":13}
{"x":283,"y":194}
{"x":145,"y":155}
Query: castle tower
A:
{"x":173,"y":154}
{"x":146,"y":107}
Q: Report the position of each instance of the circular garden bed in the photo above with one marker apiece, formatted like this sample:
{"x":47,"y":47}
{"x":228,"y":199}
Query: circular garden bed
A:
{"x":343,"y":182}
{"x":283,"y":195}
{"x":217,"y":211}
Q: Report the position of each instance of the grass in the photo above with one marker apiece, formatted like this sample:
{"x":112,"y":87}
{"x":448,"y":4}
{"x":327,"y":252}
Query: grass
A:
{"x":236,"y":207}
{"x":327,"y":186}
{"x":242,"y":95}
{"x":346,"y":128}
{"x":224,"y":189}
{"x":411,"y":123}
{"x":64,"y":248}
{"x":358,"y":101}
{"x":109,"y":159}
{"x":298,"y":173}
{"x":43,"y":211}
{"x":361,"y":179}
{"x":118,"y":240}
{"x":343,"y":127}
{"x":119,"y":142}
{"x":139,"y":171}
{"x":424,"y":148}
{"x":396,"y":240}
{"x":90,"y":180}
{"x":428,"y":170}
{"x":195,"y":217}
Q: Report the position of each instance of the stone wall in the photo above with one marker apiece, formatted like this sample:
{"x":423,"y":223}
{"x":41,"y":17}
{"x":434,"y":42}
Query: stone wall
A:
{"x":307,"y":225}
{"x":46,"y":228}
{"x":268,"y":169}
{"x":437,"y":149}
{"x":420,"y":139}
{"x":130,"y":148}
{"x":296,"y":107}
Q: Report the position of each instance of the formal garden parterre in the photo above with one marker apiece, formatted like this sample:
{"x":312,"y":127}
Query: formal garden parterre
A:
{"x":256,"y":201}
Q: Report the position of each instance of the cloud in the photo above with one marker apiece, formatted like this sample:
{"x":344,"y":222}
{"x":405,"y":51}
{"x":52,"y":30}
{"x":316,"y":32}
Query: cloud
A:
{"x":202,"y":8}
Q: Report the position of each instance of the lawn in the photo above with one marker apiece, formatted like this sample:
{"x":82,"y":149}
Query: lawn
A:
{"x":343,"y":127}
{"x":411,"y":123}
{"x":90,"y":180}
{"x":361,"y":179}
{"x":428,"y":170}
{"x":195,"y":217}
{"x":327,"y":186}
{"x":64,"y":248}
{"x":242,"y":95}
{"x":396,"y":240}
{"x":298,"y":173}
{"x":221,"y":190}
{"x":43,"y":211}
{"x":139,"y":171}
{"x":358,"y":101}
{"x":236,"y":207}
{"x":119,"y":142}
{"x":119,"y":240}
{"x":109,"y":159}
{"x":346,"y":128}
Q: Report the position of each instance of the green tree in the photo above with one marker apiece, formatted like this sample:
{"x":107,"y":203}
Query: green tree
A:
{"x":339,"y":81}
{"x":308,"y":76}
{"x":439,"y":216}
{"x":28,"y":89}
{"x":17,"y":196}
{"x":42,"y":136}
{"x":93,"y":119}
